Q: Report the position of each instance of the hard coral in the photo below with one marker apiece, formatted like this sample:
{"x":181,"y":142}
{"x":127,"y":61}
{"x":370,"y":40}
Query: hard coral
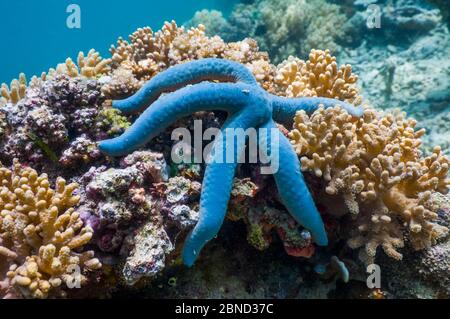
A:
{"x":147,"y":53}
{"x":320,"y":76}
{"x":15,"y":92}
{"x":120,"y":84}
{"x":375,"y":164}
{"x":91,"y":65}
{"x":41,"y":235}
{"x":193,"y":44}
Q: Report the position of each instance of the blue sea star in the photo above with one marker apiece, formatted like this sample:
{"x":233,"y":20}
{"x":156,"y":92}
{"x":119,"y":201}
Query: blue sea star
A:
{"x":248,"y":106}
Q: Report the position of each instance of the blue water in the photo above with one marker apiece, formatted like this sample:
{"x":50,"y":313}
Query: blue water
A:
{"x":35,"y":36}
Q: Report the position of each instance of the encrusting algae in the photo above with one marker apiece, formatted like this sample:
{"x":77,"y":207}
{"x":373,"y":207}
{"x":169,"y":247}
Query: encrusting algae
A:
{"x":41,"y":235}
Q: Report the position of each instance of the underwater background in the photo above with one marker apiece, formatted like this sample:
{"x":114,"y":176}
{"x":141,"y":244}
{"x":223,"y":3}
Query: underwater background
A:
{"x":379,"y":181}
{"x":38,"y":28}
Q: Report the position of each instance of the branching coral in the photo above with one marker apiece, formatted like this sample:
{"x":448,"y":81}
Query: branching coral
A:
{"x":193,"y":44}
{"x":15,"y":92}
{"x":91,"y":65}
{"x":319,"y":76}
{"x":375,"y":164}
{"x":41,"y":235}
{"x":147,"y":53}
{"x":122,"y":83}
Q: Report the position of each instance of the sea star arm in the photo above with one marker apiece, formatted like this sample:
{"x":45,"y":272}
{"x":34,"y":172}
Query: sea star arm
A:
{"x":290,"y":182}
{"x":181,"y":75}
{"x":284,"y":109}
{"x":167,"y":109}
{"x":217,"y":186}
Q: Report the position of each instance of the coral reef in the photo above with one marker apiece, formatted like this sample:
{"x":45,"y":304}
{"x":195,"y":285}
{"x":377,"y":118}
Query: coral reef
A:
{"x":375,"y":164}
{"x":15,"y":92}
{"x":254,"y":205}
{"x":434,"y":266}
{"x":147,"y":53}
{"x":411,"y":73}
{"x":89,"y":66}
{"x":119,"y":206}
{"x":151,"y":245}
{"x":281,"y":27}
{"x":251,"y":107}
{"x":81,"y":150}
{"x":135,"y":211}
{"x":3,"y":125}
{"x":52,"y":115}
{"x":318,"y":76}
{"x":41,"y":234}
{"x":120,"y":84}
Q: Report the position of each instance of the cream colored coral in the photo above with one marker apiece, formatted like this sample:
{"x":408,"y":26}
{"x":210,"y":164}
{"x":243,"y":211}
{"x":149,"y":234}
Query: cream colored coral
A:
{"x":264,"y":73}
{"x":319,"y":76}
{"x":193,"y":44}
{"x":375,"y":164}
{"x":247,"y":52}
{"x":93,"y":64}
{"x":147,"y":53}
{"x":121,"y":84}
{"x":15,"y":92}
{"x":41,"y":235}
{"x":90,"y":66}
